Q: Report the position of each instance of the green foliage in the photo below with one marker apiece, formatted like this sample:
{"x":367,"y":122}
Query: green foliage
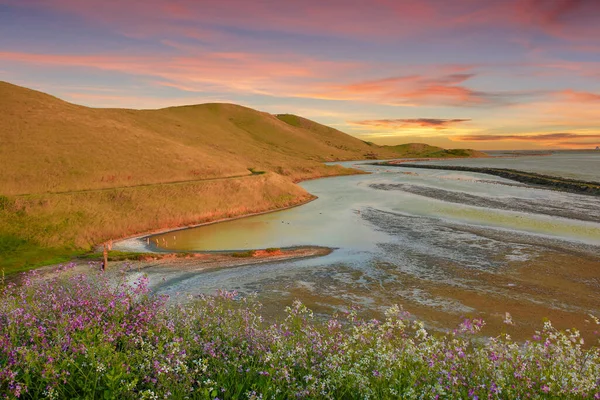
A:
{"x":18,"y":254}
{"x":457,"y":152}
{"x":96,"y":337}
{"x":254,"y":171}
{"x":127,"y":163}
{"x":5,"y":203}
{"x":48,"y":228}
{"x":244,"y":254}
{"x":290,"y":119}
{"x":115,"y":255}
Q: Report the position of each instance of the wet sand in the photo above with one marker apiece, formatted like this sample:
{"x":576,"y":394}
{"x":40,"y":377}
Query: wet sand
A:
{"x":561,"y":288}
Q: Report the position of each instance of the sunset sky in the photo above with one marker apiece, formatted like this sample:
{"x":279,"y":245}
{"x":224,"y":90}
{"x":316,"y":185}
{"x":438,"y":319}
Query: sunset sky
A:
{"x":493,"y":74}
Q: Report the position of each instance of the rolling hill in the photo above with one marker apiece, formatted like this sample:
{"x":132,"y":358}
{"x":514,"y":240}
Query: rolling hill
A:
{"x":51,"y":145}
{"x":75,"y":176}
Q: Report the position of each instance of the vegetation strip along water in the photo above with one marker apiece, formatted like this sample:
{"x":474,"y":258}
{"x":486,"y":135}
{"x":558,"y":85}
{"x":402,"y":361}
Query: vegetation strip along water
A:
{"x":552,"y":182}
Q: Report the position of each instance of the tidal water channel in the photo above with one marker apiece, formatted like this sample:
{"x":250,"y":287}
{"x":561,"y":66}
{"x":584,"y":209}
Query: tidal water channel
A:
{"x":443,"y":244}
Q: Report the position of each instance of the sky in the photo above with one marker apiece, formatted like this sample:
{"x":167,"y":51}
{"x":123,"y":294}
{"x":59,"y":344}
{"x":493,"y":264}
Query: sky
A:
{"x":483,"y":74}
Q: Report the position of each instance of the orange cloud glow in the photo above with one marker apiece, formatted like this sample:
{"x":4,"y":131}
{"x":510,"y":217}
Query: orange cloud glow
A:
{"x":526,"y":71}
{"x":435,"y":123}
{"x":275,"y":75}
{"x":579,"y":97}
{"x":412,"y":90}
{"x":242,"y":72}
{"x":545,"y":137}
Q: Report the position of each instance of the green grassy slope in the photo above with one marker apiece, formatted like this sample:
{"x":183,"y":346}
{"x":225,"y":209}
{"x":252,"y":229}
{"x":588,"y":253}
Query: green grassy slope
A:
{"x":334,"y":138}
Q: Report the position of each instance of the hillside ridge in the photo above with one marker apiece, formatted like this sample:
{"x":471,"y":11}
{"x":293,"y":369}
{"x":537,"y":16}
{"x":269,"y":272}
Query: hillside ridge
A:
{"x":74,"y":176}
{"x":124,"y":146}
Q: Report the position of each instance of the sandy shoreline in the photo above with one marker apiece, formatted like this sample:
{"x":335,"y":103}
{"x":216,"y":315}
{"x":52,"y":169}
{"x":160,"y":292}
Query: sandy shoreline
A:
{"x":185,"y":262}
{"x":216,"y":260}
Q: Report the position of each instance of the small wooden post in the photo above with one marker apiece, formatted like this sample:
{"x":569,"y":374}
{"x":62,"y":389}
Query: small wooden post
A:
{"x":105,"y":254}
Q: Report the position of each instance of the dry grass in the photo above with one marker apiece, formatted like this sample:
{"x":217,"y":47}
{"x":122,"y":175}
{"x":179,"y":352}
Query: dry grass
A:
{"x":84,"y":219}
{"x":52,"y":145}
{"x":63,"y":224}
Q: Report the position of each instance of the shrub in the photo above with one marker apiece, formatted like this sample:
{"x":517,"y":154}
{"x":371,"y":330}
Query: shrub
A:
{"x":244,"y":254}
{"x":95,"y":337}
{"x":5,"y":203}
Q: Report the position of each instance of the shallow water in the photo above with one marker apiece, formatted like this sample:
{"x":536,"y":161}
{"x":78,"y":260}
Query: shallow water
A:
{"x":444,"y":244}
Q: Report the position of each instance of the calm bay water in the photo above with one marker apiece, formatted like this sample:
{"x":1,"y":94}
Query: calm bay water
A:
{"x":444,"y":244}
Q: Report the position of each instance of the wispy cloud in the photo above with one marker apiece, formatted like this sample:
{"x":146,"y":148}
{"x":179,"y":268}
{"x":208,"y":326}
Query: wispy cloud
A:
{"x":400,"y":123}
{"x":583,"y":143}
{"x":534,"y":58}
{"x":281,"y":75}
{"x":416,"y":89}
{"x":384,"y":19}
{"x":544,"y":137}
{"x":578,"y":96}
{"x":216,"y":71}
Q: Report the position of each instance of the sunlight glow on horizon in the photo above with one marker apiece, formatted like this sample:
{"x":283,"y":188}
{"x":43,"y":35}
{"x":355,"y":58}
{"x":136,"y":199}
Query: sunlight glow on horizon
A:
{"x":500,"y":74}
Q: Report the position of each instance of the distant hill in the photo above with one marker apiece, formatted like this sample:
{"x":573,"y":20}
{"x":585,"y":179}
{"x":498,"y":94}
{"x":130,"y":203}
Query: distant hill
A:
{"x":422,"y":150}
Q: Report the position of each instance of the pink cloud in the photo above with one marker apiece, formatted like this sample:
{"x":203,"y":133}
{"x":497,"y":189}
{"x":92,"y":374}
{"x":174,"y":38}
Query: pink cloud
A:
{"x":198,"y":68}
{"x":570,"y":19}
{"x":579,"y":97}
{"x":412,"y":90}
{"x":384,"y":19}
{"x":400,"y":123}
{"x":241,"y":72}
{"x":278,"y":75}
{"x":543,"y":137}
